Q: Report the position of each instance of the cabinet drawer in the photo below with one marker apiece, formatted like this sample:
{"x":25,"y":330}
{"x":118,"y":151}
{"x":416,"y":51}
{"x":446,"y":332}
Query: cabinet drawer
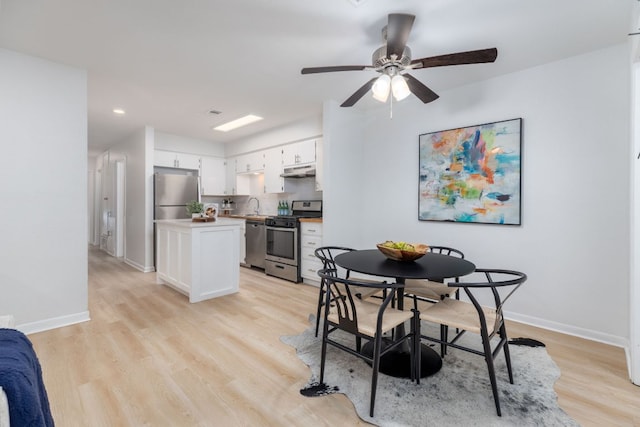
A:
{"x":312,"y":242}
{"x":307,"y":253}
{"x":309,"y":269}
{"x":311,"y":228}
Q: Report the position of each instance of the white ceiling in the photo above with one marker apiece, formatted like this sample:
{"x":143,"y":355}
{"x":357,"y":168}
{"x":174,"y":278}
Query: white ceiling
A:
{"x":168,"y":62}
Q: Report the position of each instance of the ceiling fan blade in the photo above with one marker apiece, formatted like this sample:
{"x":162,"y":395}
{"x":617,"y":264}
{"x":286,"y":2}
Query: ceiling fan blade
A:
{"x":313,"y":70}
{"x":460,"y":58}
{"x":398,"y":30}
{"x":359,"y":93}
{"x":425,"y":94}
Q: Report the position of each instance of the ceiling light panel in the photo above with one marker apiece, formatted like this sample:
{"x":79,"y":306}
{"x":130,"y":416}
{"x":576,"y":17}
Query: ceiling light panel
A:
{"x":235,"y":124}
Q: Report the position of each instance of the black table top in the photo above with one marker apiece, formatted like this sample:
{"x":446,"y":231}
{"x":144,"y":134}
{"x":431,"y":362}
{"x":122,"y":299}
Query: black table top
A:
{"x":431,"y":266}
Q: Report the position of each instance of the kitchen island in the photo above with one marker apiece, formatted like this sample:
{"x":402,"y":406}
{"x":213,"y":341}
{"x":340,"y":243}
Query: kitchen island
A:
{"x":199,"y":259}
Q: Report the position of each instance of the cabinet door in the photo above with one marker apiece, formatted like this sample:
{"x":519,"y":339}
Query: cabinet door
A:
{"x":212,"y":176}
{"x":299,"y":153}
{"x":230,"y":179}
{"x":188,"y":161}
{"x":251,"y":162}
{"x":165,"y":159}
{"x":307,"y":151}
{"x":273,"y":182}
{"x":171,"y":159}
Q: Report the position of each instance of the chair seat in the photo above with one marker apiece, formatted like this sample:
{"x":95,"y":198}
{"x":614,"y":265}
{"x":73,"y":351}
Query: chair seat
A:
{"x":459,"y":314}
{"x":364,"y":292}
{"x":368,"y":317}
{"x":428,"y":289}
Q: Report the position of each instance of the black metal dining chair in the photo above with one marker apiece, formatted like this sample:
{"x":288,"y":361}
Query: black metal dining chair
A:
{"x":487,"y":321}
{"x":428,"y":290}
{"x":327,"y":255}
{"x":431,"y":291}
{"x":345,"y":312}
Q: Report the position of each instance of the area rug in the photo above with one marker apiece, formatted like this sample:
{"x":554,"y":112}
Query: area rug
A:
{"x":459,"y":394}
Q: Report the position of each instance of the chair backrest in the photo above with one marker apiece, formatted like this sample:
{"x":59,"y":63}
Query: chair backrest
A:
{"x":501,"y":283}
{"x":444,"y":250}
{"x":327,"y":255}
{"x":340,"y":295}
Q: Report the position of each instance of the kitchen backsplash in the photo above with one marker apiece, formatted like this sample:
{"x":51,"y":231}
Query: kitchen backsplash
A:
{"x":303,"y":189}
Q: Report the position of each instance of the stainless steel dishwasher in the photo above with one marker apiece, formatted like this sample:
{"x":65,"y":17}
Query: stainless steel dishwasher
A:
{"x":256,"y":240}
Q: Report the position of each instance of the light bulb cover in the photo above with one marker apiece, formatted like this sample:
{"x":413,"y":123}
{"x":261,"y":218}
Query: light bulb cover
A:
{"x":381,"y":88}
{"x":399,"y":87}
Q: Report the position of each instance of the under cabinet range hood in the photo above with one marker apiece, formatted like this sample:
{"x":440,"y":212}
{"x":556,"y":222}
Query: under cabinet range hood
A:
{"x":299,"y":171}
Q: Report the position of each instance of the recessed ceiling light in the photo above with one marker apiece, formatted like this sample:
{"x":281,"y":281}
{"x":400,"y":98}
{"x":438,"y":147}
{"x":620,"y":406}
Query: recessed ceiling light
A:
{"x":118,"y":111}
{"x":234,"y":124}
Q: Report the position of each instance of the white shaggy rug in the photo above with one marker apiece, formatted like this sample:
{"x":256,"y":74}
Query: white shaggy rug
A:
{"x":459,"y":394}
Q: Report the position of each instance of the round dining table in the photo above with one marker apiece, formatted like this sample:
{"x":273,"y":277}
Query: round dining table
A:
{"x":431,"y":266}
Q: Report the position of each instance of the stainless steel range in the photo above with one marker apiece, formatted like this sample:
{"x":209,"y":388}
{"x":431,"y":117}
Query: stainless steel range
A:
{"x":282,"y":258}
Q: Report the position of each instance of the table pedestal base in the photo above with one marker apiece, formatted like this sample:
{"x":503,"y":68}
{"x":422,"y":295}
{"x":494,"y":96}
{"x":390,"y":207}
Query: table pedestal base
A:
{"x":397,"y":363}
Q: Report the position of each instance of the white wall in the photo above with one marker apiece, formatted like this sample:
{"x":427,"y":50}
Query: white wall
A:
{"x":574,"y":238}
{"x":138,"y":151}
{"x":43,"y":183}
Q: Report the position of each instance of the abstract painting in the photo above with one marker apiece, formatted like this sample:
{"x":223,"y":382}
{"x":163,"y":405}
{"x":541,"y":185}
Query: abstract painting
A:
{"x":471,"y":174}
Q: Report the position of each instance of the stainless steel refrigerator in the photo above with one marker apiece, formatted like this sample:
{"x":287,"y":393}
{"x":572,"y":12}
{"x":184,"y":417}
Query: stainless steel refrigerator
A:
{"x":172,"y":193}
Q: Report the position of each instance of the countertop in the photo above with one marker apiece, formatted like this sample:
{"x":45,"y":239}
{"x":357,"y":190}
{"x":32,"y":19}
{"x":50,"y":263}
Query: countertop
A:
{"x":261,"y":218}
{"x":248,"y":217}
{"x":187,"y":223}
{"x":311,"y":220}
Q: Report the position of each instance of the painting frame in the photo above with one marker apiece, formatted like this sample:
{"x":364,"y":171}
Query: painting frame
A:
{"x":472,"y":174}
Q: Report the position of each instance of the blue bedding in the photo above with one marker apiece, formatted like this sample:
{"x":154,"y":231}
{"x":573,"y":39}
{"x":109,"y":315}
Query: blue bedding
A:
{"x":21,"y":380}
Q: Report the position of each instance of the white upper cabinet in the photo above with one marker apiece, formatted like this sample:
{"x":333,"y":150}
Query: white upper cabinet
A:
{"x":251,"y":162}
{"x":213,"y":174}
{"x":273,"y":182}
{"x":299,"y":153}
{"x":230,"y":181}
{"x":165,"y":159}
{"x":172,"y":159}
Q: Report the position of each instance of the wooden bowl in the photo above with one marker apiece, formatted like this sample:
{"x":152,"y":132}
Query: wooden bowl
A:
{"x":399,"y":255}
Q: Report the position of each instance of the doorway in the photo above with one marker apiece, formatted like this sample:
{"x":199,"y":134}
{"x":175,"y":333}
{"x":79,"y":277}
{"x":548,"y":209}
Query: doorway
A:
{"x":112,"y":204}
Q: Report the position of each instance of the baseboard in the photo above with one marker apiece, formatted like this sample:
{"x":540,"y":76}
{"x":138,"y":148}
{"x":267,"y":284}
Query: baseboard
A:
{"x":588,"y":334}
{"x":139,"y":267}
{"x":53,"y":323}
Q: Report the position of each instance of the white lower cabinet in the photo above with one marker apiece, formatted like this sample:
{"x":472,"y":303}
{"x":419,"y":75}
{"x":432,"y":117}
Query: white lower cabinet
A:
{"x":310,"y":240}
{"x":200,"y":260}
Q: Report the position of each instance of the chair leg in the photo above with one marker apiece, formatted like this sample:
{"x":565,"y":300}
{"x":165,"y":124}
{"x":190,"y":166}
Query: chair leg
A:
{"x":320,"y":304}
{"x":444,"y":337}
{"x":323,"y":356}
{"x":417,"y":346}
{"x":492,"y":372}
{"x":376,"y":367}
{"x":507,"y":354}
{"x":507,"y":357}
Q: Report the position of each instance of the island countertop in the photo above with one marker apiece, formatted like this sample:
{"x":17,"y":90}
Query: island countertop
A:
{"x":187,"y":223}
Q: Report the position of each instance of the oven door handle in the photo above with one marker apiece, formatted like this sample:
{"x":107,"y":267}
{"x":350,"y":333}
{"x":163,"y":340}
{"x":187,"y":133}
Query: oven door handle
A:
{"x":291,"y":229}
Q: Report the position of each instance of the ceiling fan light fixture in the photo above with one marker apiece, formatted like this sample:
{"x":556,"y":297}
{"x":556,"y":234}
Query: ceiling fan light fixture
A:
{"x":399,"y":87}
{"x":381,"y":88}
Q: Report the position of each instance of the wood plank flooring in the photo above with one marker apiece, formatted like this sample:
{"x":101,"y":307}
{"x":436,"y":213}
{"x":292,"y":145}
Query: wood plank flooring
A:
{"x":150,"y":358}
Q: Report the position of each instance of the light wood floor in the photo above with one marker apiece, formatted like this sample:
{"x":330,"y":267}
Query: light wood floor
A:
{"x":148,"y":357}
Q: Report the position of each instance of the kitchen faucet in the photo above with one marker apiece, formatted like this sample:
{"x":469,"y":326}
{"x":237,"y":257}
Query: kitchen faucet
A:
{"x":257,"y":211}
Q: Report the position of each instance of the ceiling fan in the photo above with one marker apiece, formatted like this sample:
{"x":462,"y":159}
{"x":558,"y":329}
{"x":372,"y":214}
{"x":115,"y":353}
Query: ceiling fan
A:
{"x":393,"y":60}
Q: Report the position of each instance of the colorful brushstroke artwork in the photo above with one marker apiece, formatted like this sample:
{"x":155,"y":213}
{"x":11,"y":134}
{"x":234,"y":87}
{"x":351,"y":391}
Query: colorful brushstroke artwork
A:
{"x":472,"y":174}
